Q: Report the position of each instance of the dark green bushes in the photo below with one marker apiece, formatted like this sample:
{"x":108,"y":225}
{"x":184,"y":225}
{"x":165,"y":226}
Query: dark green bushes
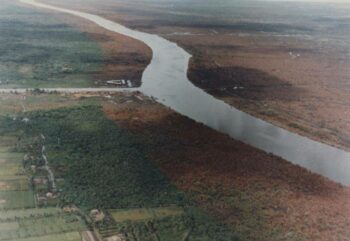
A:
{"x":105,"y":167}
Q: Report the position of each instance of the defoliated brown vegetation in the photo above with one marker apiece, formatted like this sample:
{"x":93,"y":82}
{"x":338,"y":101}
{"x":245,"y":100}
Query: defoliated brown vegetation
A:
{"x":262,"y":197}
{"x":306,"y":54}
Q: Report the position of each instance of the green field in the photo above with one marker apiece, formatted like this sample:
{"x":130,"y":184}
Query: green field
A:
{"x":16,"y":199}
{"x":12,"y":105}
{"x":145,"y":213}
{"x":4,"y":227}
{"x":71,"y":236}
{"x":12,"y":215}
{"x":7,"y":142}
{"x":11,"y":157}
{"x":38,"y":50}
{"x":41,"y":227}
{"x":164,"y":223}
{"x":19,"y":220}
{"x":99,"y":166}
{"x":14,"y":185}
{"x":10,"y":171}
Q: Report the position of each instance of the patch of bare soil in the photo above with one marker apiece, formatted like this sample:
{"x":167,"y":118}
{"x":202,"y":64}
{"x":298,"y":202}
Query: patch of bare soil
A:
{"x":3,"y":186}
{"x":261,"y":196}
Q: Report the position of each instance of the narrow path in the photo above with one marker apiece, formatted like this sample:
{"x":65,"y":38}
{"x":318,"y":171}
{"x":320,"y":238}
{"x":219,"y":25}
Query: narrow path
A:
{"x":22,"y":104}
{"x":46,"y":166}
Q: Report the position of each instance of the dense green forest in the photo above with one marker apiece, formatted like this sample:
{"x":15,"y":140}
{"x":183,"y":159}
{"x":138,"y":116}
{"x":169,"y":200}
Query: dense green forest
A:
{"x":105,"y":167}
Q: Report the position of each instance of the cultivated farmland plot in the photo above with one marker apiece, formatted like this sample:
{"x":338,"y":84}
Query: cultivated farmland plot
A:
{"x":14,"y":185}
{"x":71,"y":236}
{"x":82,"y":145}
{"x":11,"y":157}
{"x":50,"y":223}
{"x":10,"y":171}
{"x":144,"y":213}
{"x":165,"y":223}
{"x":11,"y":215}
{"x":16,"y":199}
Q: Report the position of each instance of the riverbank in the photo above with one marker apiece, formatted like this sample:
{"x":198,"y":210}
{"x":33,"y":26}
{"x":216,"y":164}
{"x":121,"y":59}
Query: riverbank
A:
{"x":294,"y":77}
{"x":63,"y":51}
{"x":260,"y":195}
{"x":125,"y":58}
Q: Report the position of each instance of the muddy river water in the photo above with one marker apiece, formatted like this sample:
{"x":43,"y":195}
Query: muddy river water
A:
{"x":165,"y":78}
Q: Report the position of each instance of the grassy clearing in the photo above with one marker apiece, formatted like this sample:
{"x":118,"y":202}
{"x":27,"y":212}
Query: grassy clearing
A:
{"x":165,"y":223}
{"x":14,"y":185}
{"x":12,"y":105}
{"x":11,"y":157}
{"x":37,"y":50}
{"x":10,"y":171}
{"x":7,"y":142}
{"x":11,"y":215}
{"x":71,"y":236}
{"x":16,"y":199}
{"x":40,"y":224}
{"x":8,"y":226}
{"x":145,"y":213}
{"x":54,"y":224}
{"x":38,"y":227}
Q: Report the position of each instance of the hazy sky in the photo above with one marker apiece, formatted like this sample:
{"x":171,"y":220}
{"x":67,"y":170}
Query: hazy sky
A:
{"x":327,"y":1}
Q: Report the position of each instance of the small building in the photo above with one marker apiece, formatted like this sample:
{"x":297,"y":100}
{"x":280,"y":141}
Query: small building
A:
{"x":97,"y":215}
{"x":49,"y":195}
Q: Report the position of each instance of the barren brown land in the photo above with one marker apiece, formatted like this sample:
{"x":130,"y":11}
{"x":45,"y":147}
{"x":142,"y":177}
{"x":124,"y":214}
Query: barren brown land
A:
{"x":293,"y":74}
{"x":262,"y":197}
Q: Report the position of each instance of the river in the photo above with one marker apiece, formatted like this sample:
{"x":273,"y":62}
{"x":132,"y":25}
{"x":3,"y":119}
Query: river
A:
{"x":165,"y":78}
